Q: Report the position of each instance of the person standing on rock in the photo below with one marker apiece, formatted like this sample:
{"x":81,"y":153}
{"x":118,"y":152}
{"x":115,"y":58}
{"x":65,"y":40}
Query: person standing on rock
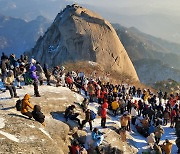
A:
{"x":159,"y":131}
{"x":9,"y":84}
{"x":47,"y":74}
{"x":104,"y":114}
{"x":26,"y":105}
{"x":87,"y":119}
{"x":35,"y":80}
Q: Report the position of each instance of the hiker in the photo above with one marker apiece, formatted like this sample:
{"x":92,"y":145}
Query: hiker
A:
{"x":85,"y":104}
{"x":35,"y":80}
{"x":167,"y":147}
{"x":47,"y":74}
{"x":87,"y":119}
{"x":75,"y":148}
{"x":69,"y":114}
{"x":38,"y":115}
{"x":115,"y":106}
{"x":97,"y":137}
{"x":40,"y":72}
{"x":173,"y":115}
{"x":159,"y":131}
{"x":151,"y":140}
{"x":134,"y":114}
{"x":166,"y":115}
{"x":56,"y":74}
{"x":4,"y":67}
{"x":9,"y":84}
{"x":124,"y":121}
{"x":104,"y":114}
{"x":26,"y":105}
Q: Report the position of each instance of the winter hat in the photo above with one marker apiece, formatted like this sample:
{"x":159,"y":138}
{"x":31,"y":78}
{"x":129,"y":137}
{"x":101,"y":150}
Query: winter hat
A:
{"x":37,"y":108}
{"x":27,"y":96}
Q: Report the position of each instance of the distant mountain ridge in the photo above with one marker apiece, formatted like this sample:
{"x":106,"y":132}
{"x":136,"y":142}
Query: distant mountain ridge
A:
{"x":150,"y":55}
{"x":140,"y":45}
{"x":17,"y":35}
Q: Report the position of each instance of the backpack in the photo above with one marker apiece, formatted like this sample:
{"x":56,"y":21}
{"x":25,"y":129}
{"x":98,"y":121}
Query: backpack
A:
{"x":92,"y":115}
{"x":27,"y":78}
{"x":19,"y":105}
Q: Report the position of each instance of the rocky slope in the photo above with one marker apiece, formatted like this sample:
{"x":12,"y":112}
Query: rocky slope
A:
{"x":79,"y":34}
{"x":21,"y":135}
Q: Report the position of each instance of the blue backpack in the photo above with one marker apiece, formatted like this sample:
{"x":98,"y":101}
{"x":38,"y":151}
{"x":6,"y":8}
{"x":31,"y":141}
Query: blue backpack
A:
{"x":92,"y":115}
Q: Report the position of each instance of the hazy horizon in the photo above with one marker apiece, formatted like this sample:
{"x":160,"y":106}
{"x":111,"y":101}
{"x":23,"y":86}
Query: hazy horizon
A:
{"x":158,"y":18}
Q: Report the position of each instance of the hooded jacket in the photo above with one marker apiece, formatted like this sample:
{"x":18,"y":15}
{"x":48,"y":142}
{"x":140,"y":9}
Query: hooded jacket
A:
{"x":167,"y":147}
{"x":26,"y":104}
{"x":37,"y":114}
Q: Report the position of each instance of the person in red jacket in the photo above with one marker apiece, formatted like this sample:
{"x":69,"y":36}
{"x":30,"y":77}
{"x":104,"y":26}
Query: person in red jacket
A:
{"x":75,"y":148}
{"x":103,"y":114}
{"x":172,"y":116}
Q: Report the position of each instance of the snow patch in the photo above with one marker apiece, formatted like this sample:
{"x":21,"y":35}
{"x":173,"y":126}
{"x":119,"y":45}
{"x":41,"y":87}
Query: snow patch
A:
{"x":9,"y":136}
{"x":2,"y":124}
{"x":45,"y":132}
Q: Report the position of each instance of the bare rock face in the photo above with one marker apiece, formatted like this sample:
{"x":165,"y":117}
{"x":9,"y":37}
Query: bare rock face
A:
{"x":79,"y":34}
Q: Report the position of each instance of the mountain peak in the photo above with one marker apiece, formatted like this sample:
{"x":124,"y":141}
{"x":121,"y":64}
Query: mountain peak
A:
{"x":80,"y":34}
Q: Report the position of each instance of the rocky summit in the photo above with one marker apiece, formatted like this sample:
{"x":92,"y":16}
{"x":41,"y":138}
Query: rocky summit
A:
{"x":79,"y":34}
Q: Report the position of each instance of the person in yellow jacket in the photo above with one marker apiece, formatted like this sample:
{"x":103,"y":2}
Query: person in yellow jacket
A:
{"x":26,"y":105}
{"x":115,"y":106}
{"x":167,"y":147}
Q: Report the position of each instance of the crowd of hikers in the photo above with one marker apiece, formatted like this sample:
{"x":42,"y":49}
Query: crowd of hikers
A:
{"x":148,"y":112}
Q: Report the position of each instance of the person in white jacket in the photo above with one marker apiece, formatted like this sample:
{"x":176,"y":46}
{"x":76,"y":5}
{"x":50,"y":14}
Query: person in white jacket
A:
{"x":134,"y":114}
{"x":151,"y":140}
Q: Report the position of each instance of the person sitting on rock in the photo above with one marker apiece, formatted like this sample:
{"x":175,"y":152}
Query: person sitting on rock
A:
{"x":9,"y":84}
{"x":97,"y":137}
{"x":26,"y":105}
{"x":167,"y":147}
{"x":69,"y":114}
{"x":38,"y":115}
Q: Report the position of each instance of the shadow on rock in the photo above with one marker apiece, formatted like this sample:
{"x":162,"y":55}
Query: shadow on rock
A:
{"x":8,"y":108}
{"x":60,"y":116}
{"x":17,"y":115}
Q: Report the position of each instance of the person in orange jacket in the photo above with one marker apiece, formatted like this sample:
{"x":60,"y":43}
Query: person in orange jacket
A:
{"x":167,"y":147}
{"x":26,"y":105}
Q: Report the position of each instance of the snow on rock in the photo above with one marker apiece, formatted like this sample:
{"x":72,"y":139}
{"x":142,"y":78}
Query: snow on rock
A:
{"x":9,"y":136}
{"x":2,"y":124}
{"x":45,"y":132}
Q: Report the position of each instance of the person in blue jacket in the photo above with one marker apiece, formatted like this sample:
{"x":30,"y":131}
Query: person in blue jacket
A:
{"x":97,"y":137}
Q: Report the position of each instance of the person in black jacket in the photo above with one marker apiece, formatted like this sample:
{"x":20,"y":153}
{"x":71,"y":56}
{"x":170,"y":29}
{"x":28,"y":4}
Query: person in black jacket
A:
{"x":87,"y":119}
{"x":38,"y":115}
{"x":70,"y":114}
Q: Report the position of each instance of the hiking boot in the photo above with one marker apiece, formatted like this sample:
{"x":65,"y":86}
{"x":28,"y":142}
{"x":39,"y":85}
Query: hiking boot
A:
{"x":38,"y":95}
{"x":16,"y":96}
